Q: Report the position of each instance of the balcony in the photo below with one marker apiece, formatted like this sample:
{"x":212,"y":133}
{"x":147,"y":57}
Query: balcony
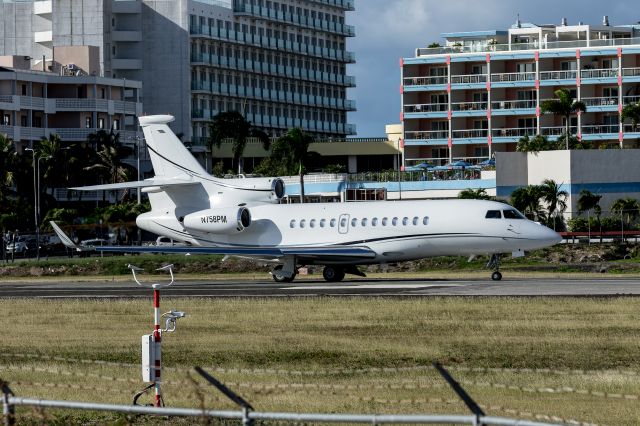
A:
{"x":43,"y":8}
{"x":285,"y":17}
{"x":469,"y":106}
{"x":599,"y":73}
{"x":422,"y":108}
{"x":427,"y":135}
{"x":197,"y":31}
{"x":522,"y":104}
{"x":593,"y":129}
{"x":425,"y":81}
{"x":126,"y":36}
{"x":469,"y":79}
{"x":126,"y":64}
{"x":470,"y":133}
{"x":558,"y":75}
{"x":512,"y":77}
{"x":342,"y":4}
{"x":601,"y":102}
{"x":514,"y":132}
{"x":43,"y":37}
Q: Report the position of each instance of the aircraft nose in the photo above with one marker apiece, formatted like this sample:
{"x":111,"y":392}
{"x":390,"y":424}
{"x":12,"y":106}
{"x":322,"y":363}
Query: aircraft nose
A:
{"x":551,"y":237}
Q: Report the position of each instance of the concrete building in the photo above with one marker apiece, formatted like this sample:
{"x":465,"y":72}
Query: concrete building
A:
{"x":482,"y":91}
{"x":612,"y":173}
{"x":282,"y":63}
{"x":34,"y":104}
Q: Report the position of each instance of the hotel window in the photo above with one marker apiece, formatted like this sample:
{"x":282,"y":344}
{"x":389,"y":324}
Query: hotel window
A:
{"x":478,"y":69}
{"x":526,"y":67}
{"x":568,"y":66}
{"x":438,"y":72}
{"x":87,"y":122}
{"x":116,"y":124}
{"x":610,"y":92}
{"x":6,"y":120}
{"x":480,"y":97}
{"x":23,"y":120}
{"x":481,"y":151}
{"x":610,"y":63}
{"x":100,"y":123}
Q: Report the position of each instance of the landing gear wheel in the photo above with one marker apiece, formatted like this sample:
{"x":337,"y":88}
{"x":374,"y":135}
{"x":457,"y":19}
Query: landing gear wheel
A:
{"x":494,"y":263}
{"x":333,"y":274}
{"x":279,"y":277}
{"x":496,"y":276}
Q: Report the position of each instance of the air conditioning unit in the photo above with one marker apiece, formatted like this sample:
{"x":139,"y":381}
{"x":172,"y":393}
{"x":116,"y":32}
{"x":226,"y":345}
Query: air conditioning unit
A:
{"x":72,"y":67}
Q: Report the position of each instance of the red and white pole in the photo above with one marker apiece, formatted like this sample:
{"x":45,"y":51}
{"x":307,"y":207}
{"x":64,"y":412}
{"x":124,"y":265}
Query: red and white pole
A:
{"x":157,"y":339}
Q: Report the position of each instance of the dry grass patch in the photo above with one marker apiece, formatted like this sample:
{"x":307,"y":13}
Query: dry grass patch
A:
{"x":517,"y":357}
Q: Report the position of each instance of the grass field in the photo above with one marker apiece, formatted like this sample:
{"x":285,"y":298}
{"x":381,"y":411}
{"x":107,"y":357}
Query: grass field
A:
{"x":558,"y":359}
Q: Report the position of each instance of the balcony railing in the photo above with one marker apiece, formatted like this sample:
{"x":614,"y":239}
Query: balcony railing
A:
{"x":630,"y":72}
{"x":469,"y":79}
{"x":489,"y":47}
{"x":427,"y":135}
{"x":558,"y":75}
{"x":469,"y":106}
{"x":425,"y":81}
{"x":630,"y":100}
{"x":603,"y":101}
{"x":593,"y":129}
{"x":513,"y":76}
{"x":514,"y":132}
{"x":600,"y":73}
{"x":522,"y":104}
{"x":426,"y":108}
{"x":556,"y":130}
{"x":470,"y":133}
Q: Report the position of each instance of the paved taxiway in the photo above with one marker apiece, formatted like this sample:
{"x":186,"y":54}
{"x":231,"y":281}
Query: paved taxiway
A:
{"x":362,"y":287}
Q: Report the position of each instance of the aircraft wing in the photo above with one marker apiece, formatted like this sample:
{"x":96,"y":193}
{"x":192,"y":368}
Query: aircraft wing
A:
{"x":336,"y":253}
{"x":308,"y":254}
{"x":137,"y":184}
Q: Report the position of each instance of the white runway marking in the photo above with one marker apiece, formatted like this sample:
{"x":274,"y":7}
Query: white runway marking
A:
{"x":370,"y":286}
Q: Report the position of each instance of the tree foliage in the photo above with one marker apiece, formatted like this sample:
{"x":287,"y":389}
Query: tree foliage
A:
{"x":563,"y":105}
{"x":474,"y":194}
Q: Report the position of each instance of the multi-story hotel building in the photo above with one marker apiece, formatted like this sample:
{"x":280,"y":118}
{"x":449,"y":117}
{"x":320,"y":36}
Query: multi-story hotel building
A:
{"x":35,"y":104}
{"x":482,"y":91}
{"x":282,"y":63}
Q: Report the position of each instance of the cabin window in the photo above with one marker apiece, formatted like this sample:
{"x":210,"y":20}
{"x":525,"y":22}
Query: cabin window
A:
{"x":394,"y":222}
{"x":493,"y":214}
{"x":292,"y":224}
{"x":425,"y":220}
{"x":343,"y":222}
{"x":405,"y":221}
{"x":374,"y":221}
{"x":384,"y":221}
{"x":364,"y":222}
{"x":415,"y":221}
{"x":312,"y":223}
{"x":333,"y":223}
{"x":354,"y":221}
{"x":512,"y":214}
{"x":303,"y":223}
{"x":323,"y":222}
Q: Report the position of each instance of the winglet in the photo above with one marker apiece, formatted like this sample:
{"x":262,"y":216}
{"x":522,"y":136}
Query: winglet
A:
{"x":68,"y":242}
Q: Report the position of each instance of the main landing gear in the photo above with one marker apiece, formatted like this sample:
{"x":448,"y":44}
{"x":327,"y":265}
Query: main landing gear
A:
{"x":494,"y":263}
{"x":280,"y":277}
{"x":333,"y":274}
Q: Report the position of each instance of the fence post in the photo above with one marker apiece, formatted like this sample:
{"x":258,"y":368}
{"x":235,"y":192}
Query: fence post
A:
{"x":8,"y":410}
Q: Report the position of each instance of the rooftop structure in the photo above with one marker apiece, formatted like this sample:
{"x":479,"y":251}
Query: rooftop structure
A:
{"x":482,"y":91}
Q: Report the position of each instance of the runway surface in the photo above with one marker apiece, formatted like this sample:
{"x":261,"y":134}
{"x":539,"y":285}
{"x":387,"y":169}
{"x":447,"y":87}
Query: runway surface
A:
{"x":307,"y":288}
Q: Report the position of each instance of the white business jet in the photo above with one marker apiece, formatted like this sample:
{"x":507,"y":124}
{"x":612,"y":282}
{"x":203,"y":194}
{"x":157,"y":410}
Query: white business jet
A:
{"x":244,"y":217}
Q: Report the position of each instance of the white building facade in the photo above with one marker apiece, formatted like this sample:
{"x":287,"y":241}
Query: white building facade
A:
{"x":281,"y":63}
{"x":482,"y":91}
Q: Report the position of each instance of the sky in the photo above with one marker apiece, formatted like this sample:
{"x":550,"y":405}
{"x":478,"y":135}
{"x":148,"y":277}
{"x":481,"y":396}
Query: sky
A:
{"x":387,"y":30}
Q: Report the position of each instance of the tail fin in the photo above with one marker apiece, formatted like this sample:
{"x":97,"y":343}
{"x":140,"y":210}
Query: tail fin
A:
{"x":168,"y":155}
{"x":64,"y":238}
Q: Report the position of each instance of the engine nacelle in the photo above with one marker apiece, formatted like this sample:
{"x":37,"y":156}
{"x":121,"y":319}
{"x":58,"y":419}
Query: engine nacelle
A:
{"x":230,"y":220}
{"x":248,"y":190}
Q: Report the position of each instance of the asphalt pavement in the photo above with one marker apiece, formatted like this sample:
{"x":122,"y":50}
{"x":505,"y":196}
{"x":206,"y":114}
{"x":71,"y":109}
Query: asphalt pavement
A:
{"x":601,"y":287}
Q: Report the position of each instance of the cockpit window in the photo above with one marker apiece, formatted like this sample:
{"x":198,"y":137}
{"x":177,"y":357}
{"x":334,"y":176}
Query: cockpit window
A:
{"x":512,"y":214}
{"x":493,"y":214}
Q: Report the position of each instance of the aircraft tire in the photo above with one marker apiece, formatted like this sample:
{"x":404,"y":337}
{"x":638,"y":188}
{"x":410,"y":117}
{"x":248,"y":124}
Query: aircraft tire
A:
{"x":333,"y":274}
{"x":280,"y":278}
{"x":496,"y":276}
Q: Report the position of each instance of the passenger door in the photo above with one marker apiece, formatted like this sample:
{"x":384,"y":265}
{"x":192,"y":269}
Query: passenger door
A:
{"x":343,"y":224}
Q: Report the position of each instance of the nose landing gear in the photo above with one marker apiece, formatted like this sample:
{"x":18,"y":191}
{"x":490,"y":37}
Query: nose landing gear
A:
{"x":494,"y":263}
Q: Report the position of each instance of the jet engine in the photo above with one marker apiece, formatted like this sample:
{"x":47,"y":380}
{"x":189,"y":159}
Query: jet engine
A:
{"x":231,"y":220}
{"x":231,"y":192}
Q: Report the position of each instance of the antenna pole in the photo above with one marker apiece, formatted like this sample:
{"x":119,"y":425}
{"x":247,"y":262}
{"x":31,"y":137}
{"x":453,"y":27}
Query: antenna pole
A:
{"x":157,"y":343}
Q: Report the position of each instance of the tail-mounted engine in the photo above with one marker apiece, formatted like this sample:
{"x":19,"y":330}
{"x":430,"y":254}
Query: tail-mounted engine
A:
{"x":231,"y":220}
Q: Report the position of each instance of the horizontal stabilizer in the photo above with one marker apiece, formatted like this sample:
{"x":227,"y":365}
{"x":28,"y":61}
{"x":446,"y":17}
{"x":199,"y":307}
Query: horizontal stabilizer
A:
{"x":66,"y":240}
{"x":137,"y":184}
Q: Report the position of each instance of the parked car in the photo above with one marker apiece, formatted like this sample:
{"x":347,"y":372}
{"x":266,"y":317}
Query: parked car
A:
{"x":22,"y":246}
{"x":166,"y":241}
{"x":94,"y":242}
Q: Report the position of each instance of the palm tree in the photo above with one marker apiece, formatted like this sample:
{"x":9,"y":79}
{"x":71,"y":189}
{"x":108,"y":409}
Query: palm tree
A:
{"x":232,"y":126}
{"x":627,"y":208}
{"x":555,"y":198}
{"x":588,"y":201}
{"x":110,"y":154}
{"x":474,"y":194}
{"x":527,"y":200}
{"x":48,"y":149}
{"x":297,"y":143}
{"x":565,"y":106}
{"x":632,"y":112}
{"x":7,"y":163}
{"x":535,"y":144}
